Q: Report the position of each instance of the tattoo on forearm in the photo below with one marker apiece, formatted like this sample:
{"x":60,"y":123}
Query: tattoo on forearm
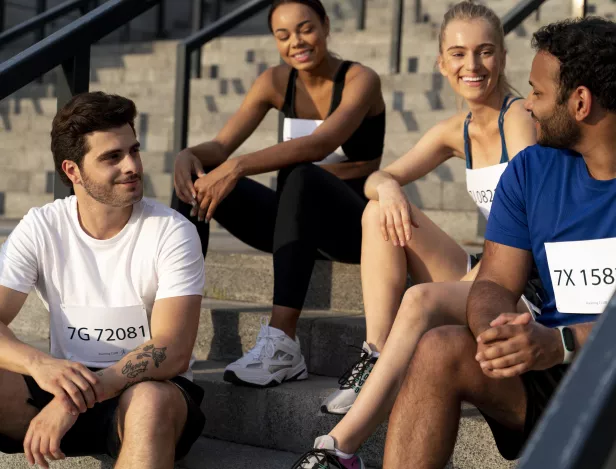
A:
{"x":132,"y":371}
{"x":149,"y":351}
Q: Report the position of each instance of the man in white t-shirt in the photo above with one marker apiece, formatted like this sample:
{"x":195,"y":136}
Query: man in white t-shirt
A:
{"x":122,"y":278}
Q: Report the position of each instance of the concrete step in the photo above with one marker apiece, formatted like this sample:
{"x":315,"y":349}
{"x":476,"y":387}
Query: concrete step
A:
{"x":18,"y":461}
{"x":288,"y":418}
{"x":206,"y":453}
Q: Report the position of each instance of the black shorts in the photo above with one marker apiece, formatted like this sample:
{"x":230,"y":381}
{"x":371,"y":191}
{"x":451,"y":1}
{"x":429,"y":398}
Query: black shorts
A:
{"x":95,"y":431}
{"x":539,"y":387}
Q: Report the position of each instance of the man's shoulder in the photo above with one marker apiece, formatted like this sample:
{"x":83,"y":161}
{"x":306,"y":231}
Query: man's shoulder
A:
{"x":49,"y":214}
{"x":164,"y":217}
{"x":538,"y":156}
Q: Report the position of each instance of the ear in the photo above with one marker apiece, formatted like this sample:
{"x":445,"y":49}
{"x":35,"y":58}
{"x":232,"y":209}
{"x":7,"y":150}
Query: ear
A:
{"x":71,"y":170}
{"x":582,"y":101}
{"x":441,"y":65}
{"x":326,"y":26}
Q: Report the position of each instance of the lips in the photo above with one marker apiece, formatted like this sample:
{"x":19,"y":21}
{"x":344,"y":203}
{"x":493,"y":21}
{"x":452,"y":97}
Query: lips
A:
{"x":469,"y":79}
{"x":302,"y":56}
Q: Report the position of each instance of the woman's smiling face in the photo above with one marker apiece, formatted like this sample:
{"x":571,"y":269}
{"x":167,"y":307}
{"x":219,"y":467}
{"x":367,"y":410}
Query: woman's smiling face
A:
{"x":471,"y":58}
{"x":300,"y":35}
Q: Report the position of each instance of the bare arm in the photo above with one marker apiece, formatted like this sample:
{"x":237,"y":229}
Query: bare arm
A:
{"x":498,"y":286}
{"x":435,"y":147}
{"x":15,"y":355}
{"x":174,"y":327}
{"x":360,"y":92}
{"x":258,"y":101}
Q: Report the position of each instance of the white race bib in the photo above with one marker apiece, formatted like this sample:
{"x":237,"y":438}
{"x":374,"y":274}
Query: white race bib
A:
{"x":102,"y":334}
{"x":481,"y":185}
{"x":295,"y":128}
{"x":583,"y":274}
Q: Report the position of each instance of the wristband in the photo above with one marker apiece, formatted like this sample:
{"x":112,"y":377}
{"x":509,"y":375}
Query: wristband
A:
{"x":566,"y":335}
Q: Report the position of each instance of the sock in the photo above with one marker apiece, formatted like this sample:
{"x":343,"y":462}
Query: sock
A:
{"x":342,"y":455}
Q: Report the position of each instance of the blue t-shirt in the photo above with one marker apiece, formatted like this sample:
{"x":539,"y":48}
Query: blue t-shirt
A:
{"x":546,"y":195}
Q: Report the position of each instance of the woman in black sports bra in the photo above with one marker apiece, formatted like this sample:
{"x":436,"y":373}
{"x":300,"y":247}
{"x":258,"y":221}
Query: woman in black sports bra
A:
{"x":334,"y":130}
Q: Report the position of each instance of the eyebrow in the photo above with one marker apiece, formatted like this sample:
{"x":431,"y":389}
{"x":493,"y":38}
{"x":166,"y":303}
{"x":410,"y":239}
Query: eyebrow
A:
{"x":117,"y":150}
{"x":299,"y":25}
{"x":485,"y":44}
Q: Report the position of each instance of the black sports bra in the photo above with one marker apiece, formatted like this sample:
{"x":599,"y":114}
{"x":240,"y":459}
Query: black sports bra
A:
{"x":367,"y":142}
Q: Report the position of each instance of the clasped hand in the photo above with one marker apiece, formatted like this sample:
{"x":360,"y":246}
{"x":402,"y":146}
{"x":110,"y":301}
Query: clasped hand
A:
{"x":515,"y":344}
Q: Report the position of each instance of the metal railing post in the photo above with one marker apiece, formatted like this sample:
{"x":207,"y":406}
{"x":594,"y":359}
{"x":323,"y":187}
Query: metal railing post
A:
{"x":396,"y":42}
{"x":196,"y":26}
{"x":361,"y":15}
{"x":2,"y":14}
{"x":418,"y":13}
{"x":74,"y":78}
{"x":160,"y":21}
{"x":217,"y":9}
{"x":41,"y":6}
{"x":182,"y":98}
{"x":579,"y":8}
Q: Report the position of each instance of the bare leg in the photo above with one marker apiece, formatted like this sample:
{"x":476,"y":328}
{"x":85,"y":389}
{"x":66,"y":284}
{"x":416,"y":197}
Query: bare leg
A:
{"x":430,"y":256}
{"x":424,"y":306}
{"x":15,"y":413}
{"x":151,"y":417}
{"x":443,"y":373}
{"x":285,"y":319}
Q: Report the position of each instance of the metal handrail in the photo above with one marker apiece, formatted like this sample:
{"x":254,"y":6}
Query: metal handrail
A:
{"x":62,"y":45}
{"x":194,"y":43}
{"x":69,"y":47}
{"x":514,"y":17}
{"x":39,"y":21}
{"x":577,"y":429}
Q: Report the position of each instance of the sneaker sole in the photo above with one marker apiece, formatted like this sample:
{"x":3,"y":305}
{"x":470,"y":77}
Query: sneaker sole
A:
{"x":343,"y":411}
{"x":231,"y":377}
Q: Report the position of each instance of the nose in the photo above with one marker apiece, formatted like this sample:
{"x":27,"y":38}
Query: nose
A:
{"x":528,"y":105}
{"x":472,"y":63}
{"x":132,"y":164}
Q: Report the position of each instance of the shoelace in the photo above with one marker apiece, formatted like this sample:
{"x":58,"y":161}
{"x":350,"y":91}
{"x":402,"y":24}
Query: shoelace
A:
{"x":264,"y":347}
{"x":322,"y":459}
{"x":356,"y":371}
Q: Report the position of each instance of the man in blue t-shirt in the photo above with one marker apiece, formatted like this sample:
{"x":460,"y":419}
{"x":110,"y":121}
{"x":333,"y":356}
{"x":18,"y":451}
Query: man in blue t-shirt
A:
{"x":556,"y":204}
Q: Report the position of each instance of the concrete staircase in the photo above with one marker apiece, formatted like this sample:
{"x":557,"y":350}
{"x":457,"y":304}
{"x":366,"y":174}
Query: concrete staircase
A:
{"x":248,"y":427}
{"x":416,"y":99}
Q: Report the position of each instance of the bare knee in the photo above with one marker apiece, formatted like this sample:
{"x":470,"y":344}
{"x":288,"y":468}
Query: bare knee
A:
{"x":371,"y":218}
{"x":15,"y":412}
{"x":421,"y":306}
{"x":151,"y":404}
{"x":443,"y":352}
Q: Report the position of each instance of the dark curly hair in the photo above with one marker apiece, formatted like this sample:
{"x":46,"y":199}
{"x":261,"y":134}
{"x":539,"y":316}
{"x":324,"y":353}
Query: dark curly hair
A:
{"x":315,"y":5}
{"x":586,"y":49}
{"x":85,"y":113}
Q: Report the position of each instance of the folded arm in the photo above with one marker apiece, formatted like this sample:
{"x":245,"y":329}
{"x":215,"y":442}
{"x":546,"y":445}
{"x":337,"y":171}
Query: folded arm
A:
{"x":174,"y":327}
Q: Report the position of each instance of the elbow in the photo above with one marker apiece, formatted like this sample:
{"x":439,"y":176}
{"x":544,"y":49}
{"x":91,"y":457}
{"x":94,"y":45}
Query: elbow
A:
{"x":179,"y":364}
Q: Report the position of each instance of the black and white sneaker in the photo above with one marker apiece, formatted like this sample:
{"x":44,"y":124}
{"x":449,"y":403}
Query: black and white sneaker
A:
{"x":351,"y":382}
{"x":275,"y":358}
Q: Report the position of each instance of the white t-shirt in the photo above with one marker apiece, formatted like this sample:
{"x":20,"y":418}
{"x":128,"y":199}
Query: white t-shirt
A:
{"x":102,"y":290}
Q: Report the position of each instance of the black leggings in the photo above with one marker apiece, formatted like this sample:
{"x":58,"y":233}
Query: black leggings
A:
{"x":312,"y":215}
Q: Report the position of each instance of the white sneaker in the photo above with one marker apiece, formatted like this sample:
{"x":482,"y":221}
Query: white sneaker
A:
{"x":351,"y":382}
{"x":324,"y":455}
{"x":274,"y":358}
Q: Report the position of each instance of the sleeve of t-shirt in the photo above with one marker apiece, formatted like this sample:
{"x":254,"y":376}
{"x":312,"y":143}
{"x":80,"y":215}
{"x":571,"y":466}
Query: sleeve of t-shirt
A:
{"x":18,"y":263}
{"x":508,"y":221}
{"x":181,"y":270}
